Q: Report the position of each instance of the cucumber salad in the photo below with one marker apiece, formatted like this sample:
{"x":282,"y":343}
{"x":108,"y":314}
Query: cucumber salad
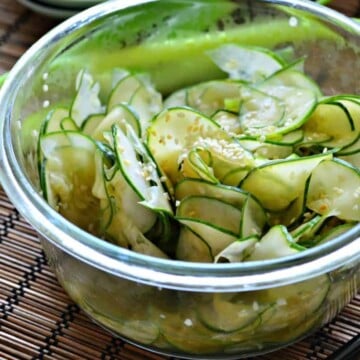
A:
{"x":256,"y":165}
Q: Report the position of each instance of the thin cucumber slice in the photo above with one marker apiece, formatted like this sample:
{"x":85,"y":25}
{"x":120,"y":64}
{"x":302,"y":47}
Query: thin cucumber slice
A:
{"x":299,"y":104}
{"x":124,"y":90}
{"x":229,"y":312}
{"x":238,"y":250}
{"x":336,"y":121}
{"x":294,"y":304}
{"x":91,"y":123}
{"x":182,"y":329}
{"x":127,"y":186}
{"x":197,"y":164}
{"x":120,"y":115}
{"x":305,"y":234}
{"x":335,"y":232}
{"x":174,"y":130}
{"x":235,"y":176}
{"x":146,"y":102}
{"x":86,"y":101}
{"x":259,"y":111}
{"x":212,"y":212}
{"x":292,"y":77}
{"x":67,"y":176}
{"x":54,"y":120}
{"x":139,"y":174}
{"x":253,"y":218}
{"x":228,"y":121}
{"x":282,"y":180}
{"x":266,"y":149}
{"x":216,"y":239}
{"x":294,"y":211}
{"x":127,"y":210}
{"x":229,"y":194}
{"x":334,"y":188}
{"x":291,"y":138}
{"x":277,"y":242}
{"x":213,"y":95}
{"x":137,"y":91}
{"x":227,"y":154}
{"x":176,"y":99}
{"x":191,"y":247}
{"x":245,"y":63}
{"x":352,"y":149}
{"x":353,"y":159}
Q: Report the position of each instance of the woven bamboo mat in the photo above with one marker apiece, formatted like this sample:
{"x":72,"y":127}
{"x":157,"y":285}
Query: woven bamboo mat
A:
{"x":37,"y":319}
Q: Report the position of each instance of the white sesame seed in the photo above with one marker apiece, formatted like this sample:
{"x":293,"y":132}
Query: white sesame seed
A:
{"x":293,"y":21}
{"x":188,"y":322}
{"x":281,"y":302}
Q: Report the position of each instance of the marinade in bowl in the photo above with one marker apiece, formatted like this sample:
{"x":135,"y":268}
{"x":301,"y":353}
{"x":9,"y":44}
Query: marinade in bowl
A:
{"x":199,"y":205}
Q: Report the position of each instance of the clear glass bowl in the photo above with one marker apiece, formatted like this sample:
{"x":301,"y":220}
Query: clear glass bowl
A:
{"x":191,"y":310}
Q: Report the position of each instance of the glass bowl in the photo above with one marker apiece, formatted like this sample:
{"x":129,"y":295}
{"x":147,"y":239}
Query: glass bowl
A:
{"x":174,"y":307}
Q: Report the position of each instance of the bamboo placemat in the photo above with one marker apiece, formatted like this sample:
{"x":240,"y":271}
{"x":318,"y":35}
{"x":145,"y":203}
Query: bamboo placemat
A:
{"x":37,"y":319}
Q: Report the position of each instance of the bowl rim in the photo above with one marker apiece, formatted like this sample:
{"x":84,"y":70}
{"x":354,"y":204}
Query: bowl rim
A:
{"x":143,"y":268}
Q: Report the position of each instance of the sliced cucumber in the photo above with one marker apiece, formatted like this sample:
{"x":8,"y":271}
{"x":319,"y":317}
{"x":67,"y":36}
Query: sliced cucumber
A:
{"x":276,"y":185}
{"x":54,"y":119}
{"x":176,"y":99}
{"x":67,"y":176}
{"x":86,"y":101}
{"x":253,"y":218}
{"x":334,"y":188}
{"x":229,"y":194}
{"x":229,"y":312}
{"x":124,"y":90}
{"x":353,"y":159}
{"x":266,"y":149}
{"x":139,"y":174}
{"x":227,"y":154}
{"x":335,"y":232}
{"x":213,"y":95}
{"x":228,"y":121}
{"x":299,"y":104}
{"x":212,"y":212}
{"x":335,"y":120}
{"x":174,"y":130}
{"x":260,"y":110}
{"x":197,"y":165}
{"x":248,"y":64}
{"x":191,"y":247}
{"x":137,"y":91}
{"x":294,"y":304}
{"x":292,"y":77}
{"x":91,"y":123}
{"x":277,"y":242}
{"x":120,"y":115}
{"x":238,"y":250}
{"x":216,"y":239}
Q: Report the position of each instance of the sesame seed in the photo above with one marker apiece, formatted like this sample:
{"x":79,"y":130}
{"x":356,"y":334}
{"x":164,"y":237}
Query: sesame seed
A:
{"x":281,"y":302}
{"x":188,"y":322}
